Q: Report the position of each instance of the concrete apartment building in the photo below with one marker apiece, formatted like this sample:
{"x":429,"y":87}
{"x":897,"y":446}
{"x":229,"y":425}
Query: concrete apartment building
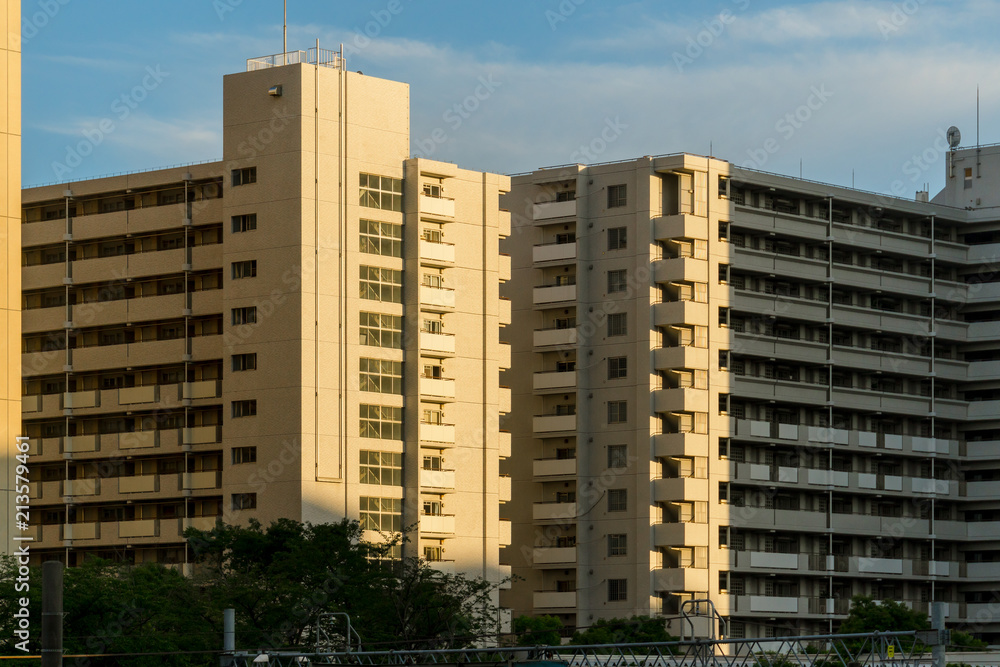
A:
{"x":10,"y":235}
{"x":759,"y":390}
{"x":309,"y":329}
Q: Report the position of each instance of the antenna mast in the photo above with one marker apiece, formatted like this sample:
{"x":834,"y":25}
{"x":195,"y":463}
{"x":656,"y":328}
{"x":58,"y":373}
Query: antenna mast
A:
{"x":284,"y":36}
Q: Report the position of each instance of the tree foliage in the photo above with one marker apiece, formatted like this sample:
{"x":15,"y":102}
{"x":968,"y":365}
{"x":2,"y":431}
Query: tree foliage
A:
{"x":637,"y":629}
{"x":868,"y":615}
{"x":537,"y":630}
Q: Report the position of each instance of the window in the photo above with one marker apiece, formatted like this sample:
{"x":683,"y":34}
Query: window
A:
{"x":617,"y":412}
{"x":617,"y":324}
{"x":245,"y":315}
{"x":381,"y":376}
{"x":968,"y":178}
{"x":244,"y":455}
{"x":618,"y":545}
{"x":245,"y":269}
{"x":617,"y":281}
{"x":617,"y":500}
{"x":380,"y":284}
{"x":432,"y":462}
{"x":617,"y":368}
{"x":617,"y":239}
{"x":616,"y":196}
{"x":381,"y":421}
{"x":244,"y":501}
{"x":433,"y":190}
{"x":246,"y":408}
{"x":245,"y":362}
{"x":433,"y":326}
{"x":617,"y":456}
{"x":381,"y":330}
{"x":382,"y":468}
{"x":617,"y":588}
{"x":381,"y":192}
{"x":433,"y":553}
{"x":244,"y":176}
{"x":568,"y":195}
{"x":244,"y":223}
{"x":381,"y":238}
{"x":382,"y":514}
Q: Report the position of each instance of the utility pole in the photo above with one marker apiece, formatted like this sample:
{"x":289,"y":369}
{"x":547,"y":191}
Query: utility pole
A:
{"x":52,"y":613}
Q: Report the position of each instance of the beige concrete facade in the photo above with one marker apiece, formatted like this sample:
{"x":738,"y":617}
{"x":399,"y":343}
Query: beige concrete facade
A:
{"x":308,"y":329}
{"x":764,"y":391}
{"x":10,"y":242}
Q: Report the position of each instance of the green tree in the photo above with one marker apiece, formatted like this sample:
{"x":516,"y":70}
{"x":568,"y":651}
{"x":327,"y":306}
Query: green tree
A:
{"x":538,"y":630}
{"x":637,"y":629}
{"x":868,"y":615}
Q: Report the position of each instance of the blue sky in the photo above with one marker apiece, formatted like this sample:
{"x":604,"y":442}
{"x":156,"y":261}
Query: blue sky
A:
{"x":840,"y":85}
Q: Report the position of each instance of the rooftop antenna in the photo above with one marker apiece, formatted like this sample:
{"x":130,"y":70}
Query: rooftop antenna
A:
{"x":284,"y":36}
{"x":978,"y":173}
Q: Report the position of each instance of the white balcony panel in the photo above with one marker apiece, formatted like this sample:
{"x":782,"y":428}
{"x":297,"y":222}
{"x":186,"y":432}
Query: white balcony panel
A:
{"x":437,"y":253}
{"x":554,"y":423}
{"x":554,"y":294}
{"x":774,"y":604}
{"x":554,"y":209}
{"x":437,"y":206}
{"x":937,"y":486}
{"x":439,"y":524}
{"x":82,"y":399}
{"x":432,"y":342}
{"x":880,"y":565}
{"x":437,"y":297}
{"x":554,"y":380}
{"x":547,"y":337}
{"x":554,"y":512}
{"x":80,"y":443}
{"x":554,"y":600}
{"x":444,"y":433}
{"x":140,"y":528}
{"x":437,"y":479}
{"x":553,"y":252}
{"x":135,"y":395}
{"x":774,"y":560}
{"x":139,"y":484}
{"x":439,"y":387}
{"x":554,"y":556}
{"x":553,"y":467}
{"x":81,"y":531}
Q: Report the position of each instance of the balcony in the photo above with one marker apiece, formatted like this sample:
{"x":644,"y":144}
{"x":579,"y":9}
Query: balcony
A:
{"x":437,"y":299}
{"x":504,"y":444}
{"x":554,"y":380}
{"x":553,"y":252}
{"x":437,"y":481}
{"x":139,"y":484}
{"x":548,"y":294}
{"x":81,"y":531}
{"x":437,"y":433}
{"x":137,"y":395}
{"x":504,"y":489}
{"x":201,"y":435}
{"x":555,"y":337}
{"x":680,"y":489}
{"x":554,"y":511}
{"x":438,"y":343}
{"x":553,"y":423}
{"x":687,"y":534}
{"x":138,"y":528}
{"x":78,"y":444}
{"x":554,"y":467}
{"x":437,"y":254}
{"x":202,"y":389}
{"x":504,"y":533}
{"x":136,"y":439}
{"x":81,"y":487}
{"x":439,"y":207}
{"x":553,"y":209}
{"x":204,"y":479}
{"x":437,"y":388}
{"x":437,"y":524}
{"x":31,"y":404}
{"x":82,"y":399}
{"x":679,"y":579}
{"x":558,"y":556}
{"x":554,"y":600}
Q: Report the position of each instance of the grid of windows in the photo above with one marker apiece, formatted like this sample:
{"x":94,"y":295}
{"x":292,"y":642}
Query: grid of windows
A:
{"x":245,"y":362}
{"x":245,"y":269}
{"x":244,"y":176}
{"x":617,"y":590}
{"x":617,"y":412}
{"x":381,"y":421}
{"x":383,"y":468}
{"x":381,"y":284}
{"x":245,"y":315}
{"x":247,"y":408}
{"x":617,"y":500}
{"x":617,"y":456}
{"x":618,"y":544}
{"x":244,"y":501}
{"x":244,"y":223}
{"x":617,"y":196}
{"x":381,"y":238}
{"x":381,"y":514}
{"x":244,"y":455}
{"x":381,"y":330}
{"x":381,"y":376}
{"x":617,"y":368}
{"x":381,"y":192}
{"x":617,"y":324}
{"x":617,"y":239}
{"x":617,"y":281}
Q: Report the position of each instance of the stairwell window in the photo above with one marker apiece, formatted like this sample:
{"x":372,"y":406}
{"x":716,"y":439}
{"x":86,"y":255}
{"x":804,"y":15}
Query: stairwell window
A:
{"x":245,"y":269}
{"x":245,"y":315}
{"x":244,"y":176}
{"x":617,"y":456}
{"x":617,"y":500}
{"x":617,"y":196}
{"x":617,"y":412}
{"x":617,"y":324}
{"x":618,"y":544}
{"x":381,"y":514}
{"x":244,"y":223}
{"x":617,"y":590}
{"x":617,"y":238}
{"x":245,"y":362}
{"x":246,"y":408}
{"x":617,"y":368}
{"x":244,"y":501}
{"x":617,"y":281}
{"x":381,"y":284}
{"x":381,"y":192}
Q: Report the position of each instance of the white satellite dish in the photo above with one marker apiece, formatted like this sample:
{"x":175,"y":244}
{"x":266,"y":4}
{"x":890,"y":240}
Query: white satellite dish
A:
{"x":954,"y":137}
